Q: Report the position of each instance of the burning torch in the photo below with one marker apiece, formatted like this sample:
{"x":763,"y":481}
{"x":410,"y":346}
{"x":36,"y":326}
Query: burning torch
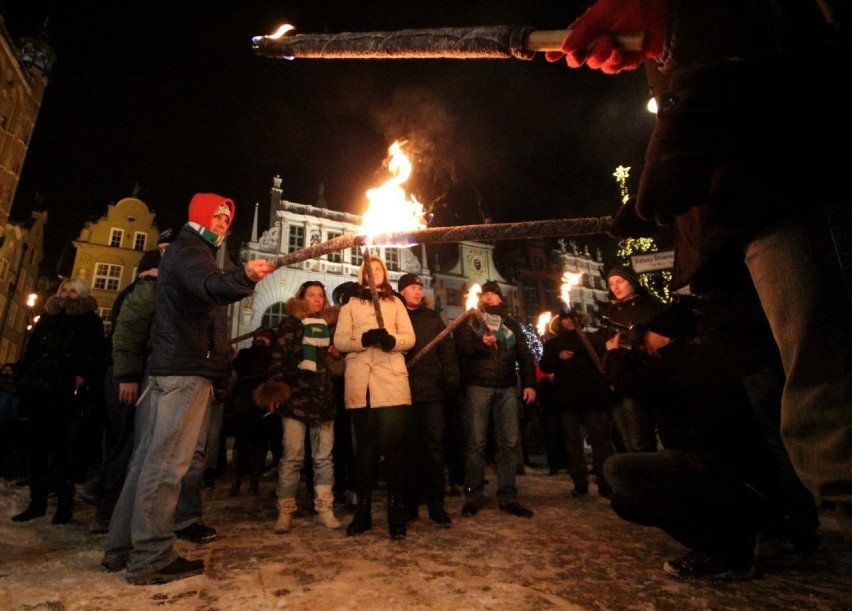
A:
{"x":569,"y":281}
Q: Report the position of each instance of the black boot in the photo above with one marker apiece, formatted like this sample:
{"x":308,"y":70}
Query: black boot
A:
{"x":35,"y":509}
{"x":396,"y":518}
{"x":64,"y":511}
{"x":363,"y":520}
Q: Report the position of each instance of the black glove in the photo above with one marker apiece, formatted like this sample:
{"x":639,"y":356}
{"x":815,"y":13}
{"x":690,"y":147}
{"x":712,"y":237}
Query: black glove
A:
{"x":373,"y":337}
{"x":387,"y":342}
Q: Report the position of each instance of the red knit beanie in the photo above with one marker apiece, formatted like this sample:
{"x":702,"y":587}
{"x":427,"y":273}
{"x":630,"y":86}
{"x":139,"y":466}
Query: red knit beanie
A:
{"x":204,"y":206}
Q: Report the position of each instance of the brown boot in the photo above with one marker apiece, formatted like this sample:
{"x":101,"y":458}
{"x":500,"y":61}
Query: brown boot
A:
{"x":286,"y":509}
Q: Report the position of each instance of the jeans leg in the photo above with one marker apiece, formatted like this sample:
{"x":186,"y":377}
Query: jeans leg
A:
{"x":176,"y":422}
{"x":290,"y":466}
{"x":810,"y":314}
{"x":188,"y":510}
{"x":322,"y":443}
{"x":505,"y":412}
{"x":477,"y":410}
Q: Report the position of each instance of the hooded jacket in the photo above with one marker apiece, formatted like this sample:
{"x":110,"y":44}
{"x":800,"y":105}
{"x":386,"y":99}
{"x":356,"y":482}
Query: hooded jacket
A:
{"x":190,"y":324}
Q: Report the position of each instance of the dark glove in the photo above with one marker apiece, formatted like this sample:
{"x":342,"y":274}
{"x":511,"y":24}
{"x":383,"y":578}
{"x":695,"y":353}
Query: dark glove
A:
{"x":592,"y":40}
{"x":373,"y":337}
{"x":388,"y":342}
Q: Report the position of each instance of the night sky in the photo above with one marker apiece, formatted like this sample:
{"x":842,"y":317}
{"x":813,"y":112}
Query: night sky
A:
{"x":169,"y":95}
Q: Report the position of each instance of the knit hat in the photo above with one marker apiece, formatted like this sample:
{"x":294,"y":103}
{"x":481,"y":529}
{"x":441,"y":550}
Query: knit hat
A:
{"x":492,"y":287}
{"x":674,"y":321}
{"x":150,"y":260}
{"x":267,"y":333}
{"x":166,"y":236}
{"x":625,"y":272}
{"x":407,"y":280}
{"x":205,"y":206}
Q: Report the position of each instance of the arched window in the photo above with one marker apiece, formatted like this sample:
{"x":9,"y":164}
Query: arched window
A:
{"x":273,"y":315}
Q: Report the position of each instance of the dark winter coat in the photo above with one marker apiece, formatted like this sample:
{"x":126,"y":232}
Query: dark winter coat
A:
{"x":190,"y":324}
{"x":67,"y":341}
{"x":695,"y":391}
{"x":434,"y":377}
{"x":482,"y":365}
{"x":577,"y":381}
{"x":311,"y":393}
{"x":131,"y":333}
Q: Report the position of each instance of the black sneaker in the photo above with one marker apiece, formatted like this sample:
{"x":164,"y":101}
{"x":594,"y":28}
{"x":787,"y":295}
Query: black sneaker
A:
{"x":701,"y":565}
{"x":113,"y":564}
{"x":470,"y":508}
{"x":179,"y":568}
{"x":516,"y":509}
{"x":440,"y":517}
{"x":197,"y":533}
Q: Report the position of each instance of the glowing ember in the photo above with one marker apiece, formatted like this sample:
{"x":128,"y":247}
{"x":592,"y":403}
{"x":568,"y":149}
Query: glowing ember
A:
{"x":543,"y":322}
{"x":569,"y":281}
{"x":281,"y":31}
{"x":390,"y":207}
{"x":473,"y":297}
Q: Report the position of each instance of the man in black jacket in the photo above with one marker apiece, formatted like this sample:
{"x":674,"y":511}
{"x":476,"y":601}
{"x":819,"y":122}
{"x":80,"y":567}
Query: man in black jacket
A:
{"x":434,"y":379}
{"x":492,"y":357}
{"x":190,"y":351}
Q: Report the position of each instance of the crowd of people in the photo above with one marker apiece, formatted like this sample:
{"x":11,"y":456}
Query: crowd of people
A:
{"x":716,"y":418}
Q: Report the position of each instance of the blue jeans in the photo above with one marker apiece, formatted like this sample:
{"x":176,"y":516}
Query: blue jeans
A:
{"x":481,"y":404}
{"x":172,"y":417}
{"x":795,"y":269}
{"x":290,"y":466}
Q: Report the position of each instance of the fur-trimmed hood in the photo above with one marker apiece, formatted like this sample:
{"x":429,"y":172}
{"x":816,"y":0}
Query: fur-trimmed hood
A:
{"x":298,"y":308}
{"x":73,"y":307}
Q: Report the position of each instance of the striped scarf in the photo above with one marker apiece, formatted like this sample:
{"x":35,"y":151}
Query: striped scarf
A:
{"x":316,"y":336}
{"x":503,"y":333}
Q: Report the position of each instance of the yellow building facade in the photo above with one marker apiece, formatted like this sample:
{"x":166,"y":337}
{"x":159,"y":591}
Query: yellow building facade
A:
{"x":109,"y":250}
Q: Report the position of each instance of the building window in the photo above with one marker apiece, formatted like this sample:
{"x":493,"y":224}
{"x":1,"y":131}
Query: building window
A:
{"x":106,"y":316}
{"x":140,"y":240}
{"x":107,"y":277}
{"x":273,"y":315}
{"x":355,"y":255}
{"x":455,"y":297}
{"x":296,"y":238}
{"x":531,"y":302}
{"x":115,"y":237}
{"x":392,"y":259}
{"x":552,"y":295}
{"x":336,"y":256}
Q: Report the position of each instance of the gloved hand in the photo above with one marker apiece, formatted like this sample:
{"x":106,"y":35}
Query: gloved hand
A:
{"x":373,"y":337}
{"x":593,"y":35}
{"x":387,"y":342}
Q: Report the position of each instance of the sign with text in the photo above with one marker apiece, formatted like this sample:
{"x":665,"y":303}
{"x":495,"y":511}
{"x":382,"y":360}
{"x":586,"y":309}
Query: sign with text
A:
{"x":652,"y":261}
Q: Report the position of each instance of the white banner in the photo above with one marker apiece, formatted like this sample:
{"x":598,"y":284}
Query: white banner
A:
{"x":653,"y":261}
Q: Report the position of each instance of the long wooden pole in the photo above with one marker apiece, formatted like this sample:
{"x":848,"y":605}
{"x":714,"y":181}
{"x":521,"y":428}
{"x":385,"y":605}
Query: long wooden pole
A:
{"x":486,"y":42}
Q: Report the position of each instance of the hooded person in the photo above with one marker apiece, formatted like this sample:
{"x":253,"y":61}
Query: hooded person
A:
{"x":190,"y":350}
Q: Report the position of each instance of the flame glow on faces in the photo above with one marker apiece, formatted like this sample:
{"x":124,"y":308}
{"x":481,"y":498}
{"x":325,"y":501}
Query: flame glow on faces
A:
{"x":473,"y":297}
{"x":391,"y":209}
{"x":569,"y":281}
{"x":543,"y":322}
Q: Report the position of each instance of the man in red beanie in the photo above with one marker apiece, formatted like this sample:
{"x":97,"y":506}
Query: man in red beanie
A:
{"x":190,"y":352}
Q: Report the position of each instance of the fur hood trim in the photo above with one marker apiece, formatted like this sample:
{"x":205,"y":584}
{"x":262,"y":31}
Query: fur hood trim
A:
{"x":298,"y":308}
{"x":73,"y":307}
{"x":270,"y":392}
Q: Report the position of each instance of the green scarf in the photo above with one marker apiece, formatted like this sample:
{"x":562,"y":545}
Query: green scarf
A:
{"x":503,"y":333}
{"x":316,"y":335}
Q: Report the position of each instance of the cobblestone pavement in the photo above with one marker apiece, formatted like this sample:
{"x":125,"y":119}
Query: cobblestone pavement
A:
{"x":574,"y":554}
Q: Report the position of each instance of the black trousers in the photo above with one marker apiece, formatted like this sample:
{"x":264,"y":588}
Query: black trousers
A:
{"x":380,"y":430}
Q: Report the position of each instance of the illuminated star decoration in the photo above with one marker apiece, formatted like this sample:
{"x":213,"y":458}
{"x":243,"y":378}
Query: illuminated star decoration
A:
{"x":621,"y":175}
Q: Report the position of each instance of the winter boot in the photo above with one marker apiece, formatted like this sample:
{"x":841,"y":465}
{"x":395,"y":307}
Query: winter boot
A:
{"x":64,"y":511}
{"x":35,"y":509}
{"x":363,"y":520}
{"x":324,"y":503}
{"x":286,"y":509}
{"x":396,"y":517}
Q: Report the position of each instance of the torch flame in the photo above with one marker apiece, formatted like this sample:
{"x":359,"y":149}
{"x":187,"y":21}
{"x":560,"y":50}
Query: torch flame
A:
{"x":281,"y":31}
{"x":473,"y":297}
{"x":543,"y":322}
{"x":569,"y":281}
{"x":390,"y":208}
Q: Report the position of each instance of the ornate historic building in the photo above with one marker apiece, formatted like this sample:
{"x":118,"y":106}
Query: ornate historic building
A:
{"x":109,"y":250}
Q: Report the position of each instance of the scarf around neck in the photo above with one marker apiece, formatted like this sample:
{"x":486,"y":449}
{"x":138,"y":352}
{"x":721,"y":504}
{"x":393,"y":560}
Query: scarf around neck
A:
{"x":316,"y":335}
